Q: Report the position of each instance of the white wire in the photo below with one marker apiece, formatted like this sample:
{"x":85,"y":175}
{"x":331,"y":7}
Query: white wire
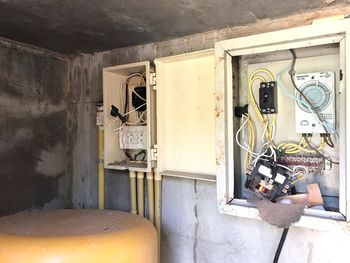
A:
{"x":138,"y":95}
{"x":237,"y":137}
{"x":121,"y":90}
{"x":285,"y":167}
{"x":300,"y":166}
{"x":262,"y":154}
{"x":274,"y":153}
{"x":138,"y":120}
{"x":116,"y":130}
{"x":134,"y":109}
{"x":273,"y":128}
{"x":264,"y":131}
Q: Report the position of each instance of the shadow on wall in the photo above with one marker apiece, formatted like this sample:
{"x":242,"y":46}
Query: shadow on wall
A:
{"x":33,"y":130}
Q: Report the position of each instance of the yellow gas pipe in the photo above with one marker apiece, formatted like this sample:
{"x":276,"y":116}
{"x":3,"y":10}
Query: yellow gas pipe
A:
{"x":140,"y":193}
{"x":132,"y":176}
{"x":101,"y":171}
{"x":150,"y":192}
{"x":157,"y":207}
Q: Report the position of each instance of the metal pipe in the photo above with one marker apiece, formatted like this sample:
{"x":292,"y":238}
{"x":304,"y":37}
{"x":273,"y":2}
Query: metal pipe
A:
{"x":158,"y":207}
{"x":101,"y":171}
{"x":132,"y":176}
{"x":150,"y":192}
{"x":140,"y":193}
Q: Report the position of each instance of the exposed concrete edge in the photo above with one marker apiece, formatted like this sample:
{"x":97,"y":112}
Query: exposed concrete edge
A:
{"x":261,"y":26}
{"x":20,"y":46}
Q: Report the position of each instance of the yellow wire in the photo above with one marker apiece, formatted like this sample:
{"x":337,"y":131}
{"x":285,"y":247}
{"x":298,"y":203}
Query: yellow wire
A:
{"x":269,"y":129}
{"x":299,"y":178}
{"x":263,"y":70}
{"x":296,"y":148}
{"x":252,"y":98}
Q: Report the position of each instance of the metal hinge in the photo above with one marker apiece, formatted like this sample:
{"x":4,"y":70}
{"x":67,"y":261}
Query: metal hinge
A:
{"x":153,"y":80}
{"x":154,"y":153}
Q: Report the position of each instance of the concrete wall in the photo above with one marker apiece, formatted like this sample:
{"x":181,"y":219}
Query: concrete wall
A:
{"x":193,"y":231}
{"x":34,"y":149}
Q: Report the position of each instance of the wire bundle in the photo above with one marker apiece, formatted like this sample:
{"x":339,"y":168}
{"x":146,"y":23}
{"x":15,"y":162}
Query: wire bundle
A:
{"x":269,"y":149}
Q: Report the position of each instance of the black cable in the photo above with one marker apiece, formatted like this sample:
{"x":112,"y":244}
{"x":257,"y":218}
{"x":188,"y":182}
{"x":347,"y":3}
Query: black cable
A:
{"x":328,"y":140}
{"x":139,"y":153}
{"x":280,"y":245}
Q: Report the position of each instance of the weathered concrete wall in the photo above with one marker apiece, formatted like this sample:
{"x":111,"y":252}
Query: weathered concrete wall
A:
{"x":193,"y":231}
{"x":34,"y":149}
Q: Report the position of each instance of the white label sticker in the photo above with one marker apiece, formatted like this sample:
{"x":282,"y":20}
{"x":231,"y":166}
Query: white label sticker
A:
{"x":280,"y":178}
{"x":265,"y":171}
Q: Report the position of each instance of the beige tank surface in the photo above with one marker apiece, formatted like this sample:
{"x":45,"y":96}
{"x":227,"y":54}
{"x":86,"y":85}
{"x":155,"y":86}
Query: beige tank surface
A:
{"x":74,"y":236}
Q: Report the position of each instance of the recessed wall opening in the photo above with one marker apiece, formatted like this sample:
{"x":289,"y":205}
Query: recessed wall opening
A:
{"x":272,"y":122}
{"x":323,"y":58}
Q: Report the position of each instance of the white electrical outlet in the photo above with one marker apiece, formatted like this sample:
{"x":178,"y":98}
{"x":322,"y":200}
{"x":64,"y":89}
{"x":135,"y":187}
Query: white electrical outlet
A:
{"x":133,"y":137}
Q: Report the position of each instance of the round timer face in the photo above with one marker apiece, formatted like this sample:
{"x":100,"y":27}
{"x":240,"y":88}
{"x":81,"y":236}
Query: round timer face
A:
{"x":317,"y":93}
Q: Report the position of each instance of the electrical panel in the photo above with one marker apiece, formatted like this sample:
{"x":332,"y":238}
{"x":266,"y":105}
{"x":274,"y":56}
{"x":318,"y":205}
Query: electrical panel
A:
{"x":319,"y":88}
{"x":283,"y":122}
{"x":159,"y":114}
{"x":129,"y":117}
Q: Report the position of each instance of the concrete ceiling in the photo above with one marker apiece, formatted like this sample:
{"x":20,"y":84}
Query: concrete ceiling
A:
{"x":73,"y":26}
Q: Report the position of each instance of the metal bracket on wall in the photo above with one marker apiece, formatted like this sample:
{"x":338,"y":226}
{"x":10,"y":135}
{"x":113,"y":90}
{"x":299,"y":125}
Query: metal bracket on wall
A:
{"x":154,"y":153}
{"x":153,"y":81}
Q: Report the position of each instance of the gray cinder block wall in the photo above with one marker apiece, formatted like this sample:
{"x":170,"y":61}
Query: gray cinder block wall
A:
{"x":192,"y":230}
{"x":34,"y":136}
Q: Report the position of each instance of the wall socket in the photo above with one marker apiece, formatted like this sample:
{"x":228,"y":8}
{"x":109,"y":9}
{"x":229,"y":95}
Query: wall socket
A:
{"x":133,"y":137}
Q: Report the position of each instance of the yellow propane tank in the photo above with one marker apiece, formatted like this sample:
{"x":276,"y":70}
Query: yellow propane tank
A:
{"x":77,"y":235}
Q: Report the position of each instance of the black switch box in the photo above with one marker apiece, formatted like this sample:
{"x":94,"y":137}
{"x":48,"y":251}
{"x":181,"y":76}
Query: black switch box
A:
{"x":139,"y":98}
{"x":268,"y":97}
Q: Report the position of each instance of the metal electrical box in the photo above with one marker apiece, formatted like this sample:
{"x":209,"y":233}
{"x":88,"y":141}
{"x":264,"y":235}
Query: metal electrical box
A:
{"x":180,"y":116}
{"x":320,"y":71}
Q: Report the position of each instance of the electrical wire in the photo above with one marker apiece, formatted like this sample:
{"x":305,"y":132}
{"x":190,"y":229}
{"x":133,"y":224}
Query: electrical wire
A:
{"x":269,"y":130}
{"x":251,"y":141}
{"x":124,"y":102}
{"x":322,"y":155}
{"x":138,"y":95}
{"x":296,"y":148}
{"x":280,"y":245}
{"x":138,"y":121}
{"x":249,"y":149}
{"x":125,"y":114}
{"x":298,"y":179}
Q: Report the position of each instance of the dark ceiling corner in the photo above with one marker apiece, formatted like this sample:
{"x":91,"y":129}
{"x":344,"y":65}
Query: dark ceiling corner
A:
{"x":76,"y":26}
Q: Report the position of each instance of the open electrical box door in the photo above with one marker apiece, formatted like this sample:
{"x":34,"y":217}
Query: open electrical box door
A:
{"x":284,"y":121}
{"x":161,"y":115}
